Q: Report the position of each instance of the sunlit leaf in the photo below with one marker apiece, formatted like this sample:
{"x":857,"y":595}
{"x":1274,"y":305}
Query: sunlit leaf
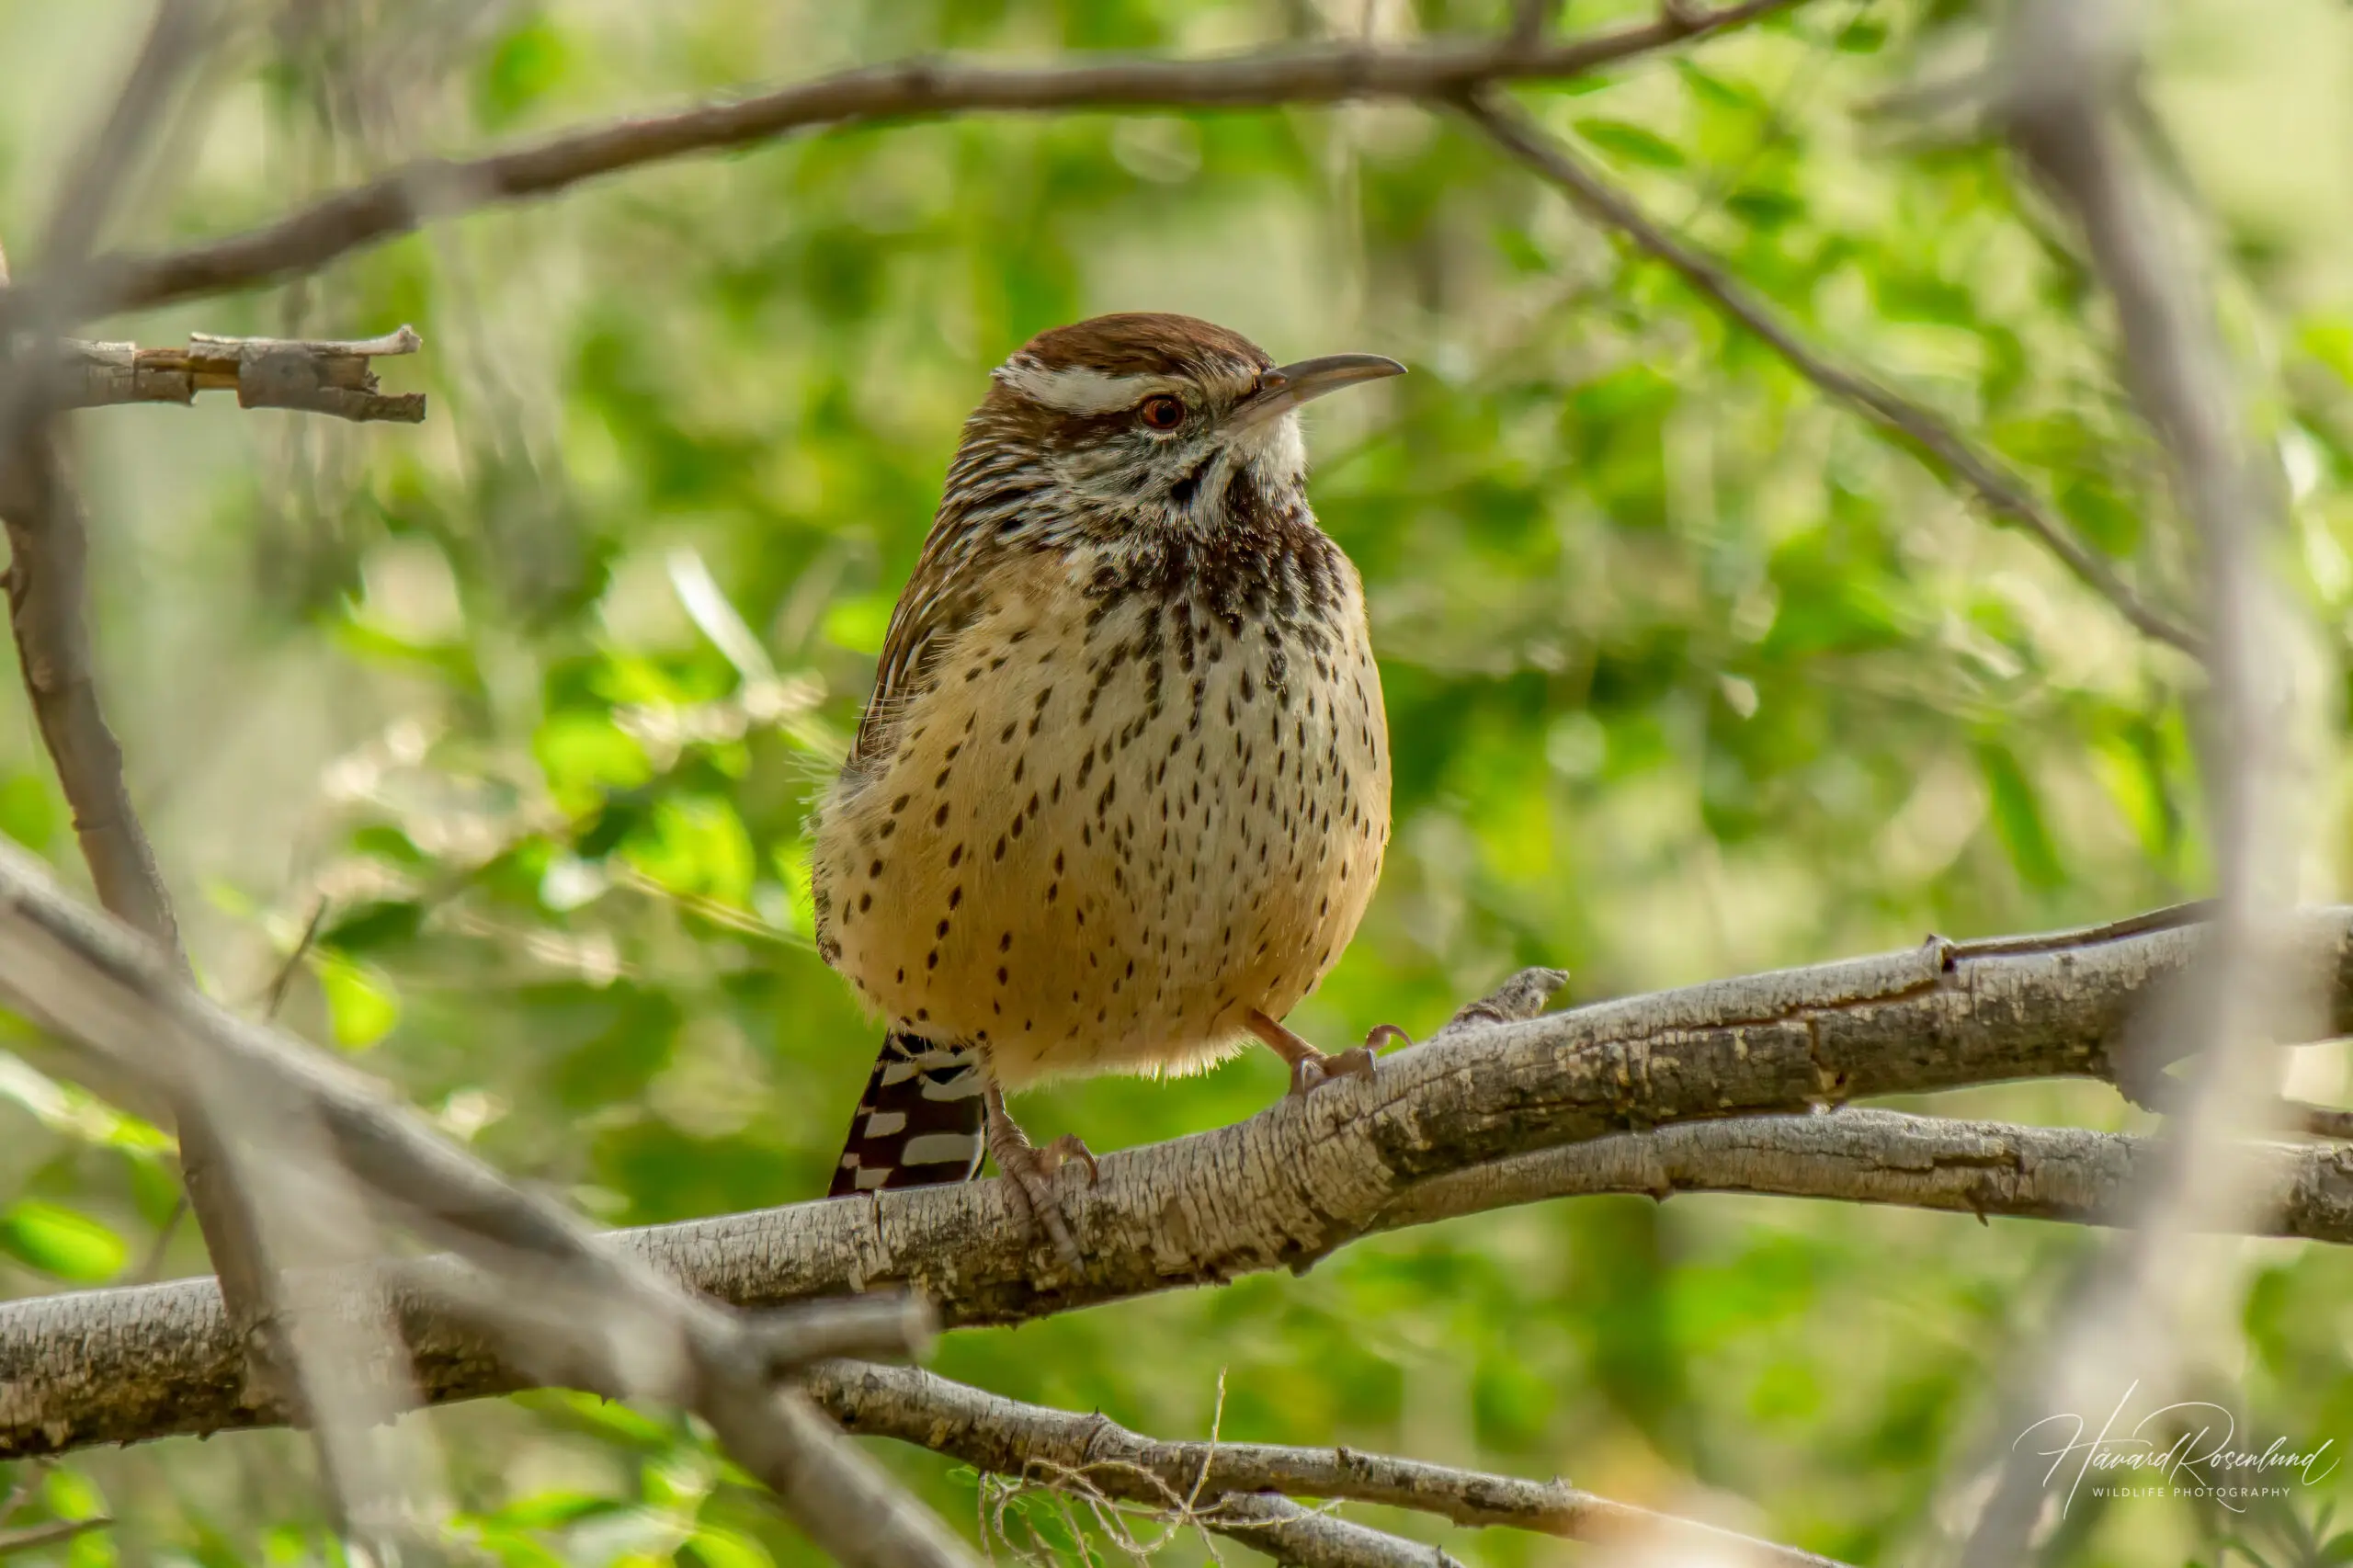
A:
{"x":61,"y":1241}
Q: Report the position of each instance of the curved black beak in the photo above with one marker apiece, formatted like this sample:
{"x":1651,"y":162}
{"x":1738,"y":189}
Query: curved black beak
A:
{"x":1286,"y":386}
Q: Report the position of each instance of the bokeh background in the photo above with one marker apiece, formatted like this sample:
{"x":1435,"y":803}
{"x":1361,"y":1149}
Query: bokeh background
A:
{"x":1689,"y":674}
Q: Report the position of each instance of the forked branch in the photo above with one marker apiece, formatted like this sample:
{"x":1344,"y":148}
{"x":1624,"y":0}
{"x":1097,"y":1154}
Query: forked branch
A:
{"x":1506,"y":1108}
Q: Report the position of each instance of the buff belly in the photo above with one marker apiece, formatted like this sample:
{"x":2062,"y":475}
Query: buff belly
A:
{"x":1097,"y":847}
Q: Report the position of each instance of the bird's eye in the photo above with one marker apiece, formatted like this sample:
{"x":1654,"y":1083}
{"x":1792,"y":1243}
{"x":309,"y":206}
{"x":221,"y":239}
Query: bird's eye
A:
{"x":1161,"y":412}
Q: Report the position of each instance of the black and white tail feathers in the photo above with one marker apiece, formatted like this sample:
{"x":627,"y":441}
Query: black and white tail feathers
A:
{"x":919,"y":1122}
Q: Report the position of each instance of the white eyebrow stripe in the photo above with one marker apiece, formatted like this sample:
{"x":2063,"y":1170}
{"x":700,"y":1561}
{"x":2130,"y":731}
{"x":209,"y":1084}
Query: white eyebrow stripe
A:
{"x":1078,"y":390}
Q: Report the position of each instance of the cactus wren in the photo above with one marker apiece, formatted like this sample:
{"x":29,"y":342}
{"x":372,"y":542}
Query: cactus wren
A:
{"x":1122,"y":790}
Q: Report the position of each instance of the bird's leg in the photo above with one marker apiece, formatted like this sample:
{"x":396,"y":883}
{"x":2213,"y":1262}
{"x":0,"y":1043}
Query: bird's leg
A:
{"x":1310,"y":1067}
{"x":1031,"y":1170}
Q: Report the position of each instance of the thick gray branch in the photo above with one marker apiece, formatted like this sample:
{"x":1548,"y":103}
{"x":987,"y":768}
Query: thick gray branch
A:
{"x":1306,"y":1176}
{"x":399,"y":202}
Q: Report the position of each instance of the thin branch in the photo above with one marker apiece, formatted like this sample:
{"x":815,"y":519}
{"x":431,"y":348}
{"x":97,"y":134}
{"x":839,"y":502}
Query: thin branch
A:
{"x":1858,"y":1156}
{"x":1008,"y":1437}
{"x":400,"y":200}
{"x":33,"y":1537}
{"x":2003,"y":490}
{"x":177,"y":36}
{"x":1305,"y":1177}
{"x":265,"y":372}
{"x":47,"y":584}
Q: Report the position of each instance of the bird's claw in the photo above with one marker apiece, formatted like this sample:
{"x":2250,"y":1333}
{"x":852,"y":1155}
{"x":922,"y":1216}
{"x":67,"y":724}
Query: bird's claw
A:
{"x":1031,"y":1171}
{"x":1312,"y":1072}
{"x":1309,"y":1073}
{"x":1068,"y":1147}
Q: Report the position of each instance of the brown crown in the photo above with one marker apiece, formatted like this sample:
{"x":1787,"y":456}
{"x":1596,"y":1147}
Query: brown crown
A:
{"x":1143,"y":343}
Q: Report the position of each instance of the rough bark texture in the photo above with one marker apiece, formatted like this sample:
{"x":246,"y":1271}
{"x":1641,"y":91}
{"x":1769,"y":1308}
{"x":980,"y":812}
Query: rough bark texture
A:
{"x":335,"y":378}
{"x":1289,"y":1185}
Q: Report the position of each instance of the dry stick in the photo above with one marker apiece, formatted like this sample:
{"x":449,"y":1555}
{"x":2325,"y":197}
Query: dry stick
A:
{"x":2004,"y":491}
{"x":2064,"y":90}
{"x":1306,"y":1177}
{"x":1006,"y":1436}
{"x":397,"y":202}
{"x":539,"y":1283}
{"x":265,"y":372}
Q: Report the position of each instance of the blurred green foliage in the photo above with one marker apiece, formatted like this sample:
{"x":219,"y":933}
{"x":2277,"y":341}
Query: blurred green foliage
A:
{"x":1689,"y":674}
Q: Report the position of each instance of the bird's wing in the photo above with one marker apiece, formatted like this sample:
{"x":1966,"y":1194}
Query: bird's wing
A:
{"x":944,"y":597}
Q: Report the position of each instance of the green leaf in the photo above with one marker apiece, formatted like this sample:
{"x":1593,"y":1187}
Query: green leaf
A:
{"x":2018,"y":817}
{"x":28,"y":809}
{"x":521,"y":69}
{"x":361,"y":1004}
{"x":1864,"y":35}
{"x":60,"y":1241}
{"x":1764,"y":207}
{"x":698,"y":845}
{"x":1623,"y":139}
{"x":374,"y":925}
{"x":583,"y":754}
{"x":724,"y":1549}
{"x":546,"y":1510}
{"x":859,"y":624}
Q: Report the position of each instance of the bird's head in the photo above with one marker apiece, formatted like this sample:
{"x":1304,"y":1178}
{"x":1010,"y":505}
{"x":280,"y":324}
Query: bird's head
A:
{"x":1145,"y":420}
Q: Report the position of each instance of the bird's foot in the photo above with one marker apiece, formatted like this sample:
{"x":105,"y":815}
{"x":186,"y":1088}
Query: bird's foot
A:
{"x":1309,"y":1073}
{"x":1030,"y":1171}
{"x":1312,"y":1069}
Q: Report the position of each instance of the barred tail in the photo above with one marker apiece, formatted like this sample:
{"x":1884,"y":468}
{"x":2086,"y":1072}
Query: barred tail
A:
{"x":919,"y":1122}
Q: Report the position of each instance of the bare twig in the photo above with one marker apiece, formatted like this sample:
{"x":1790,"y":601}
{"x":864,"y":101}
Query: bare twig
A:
{"x":1308,"y":1176}
{"x":274,"y":995}
{"x":2003,"y":491}
{"x":151,"y":1267}
{"x":32,"y":1537}
{"x":1009,"y":1438}
{"x":400,"y":200}
{"x":265,"y":372}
